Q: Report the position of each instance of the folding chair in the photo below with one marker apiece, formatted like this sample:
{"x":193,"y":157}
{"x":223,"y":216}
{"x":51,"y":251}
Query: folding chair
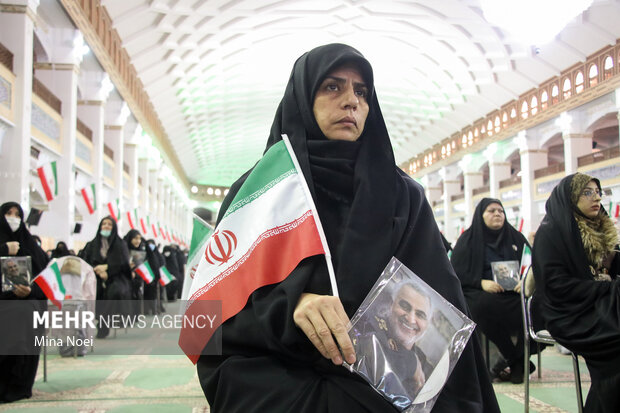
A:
{"x":542,"y":336}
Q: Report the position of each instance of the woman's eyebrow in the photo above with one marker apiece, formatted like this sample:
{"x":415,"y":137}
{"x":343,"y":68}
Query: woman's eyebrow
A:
{"x":341,"y":80}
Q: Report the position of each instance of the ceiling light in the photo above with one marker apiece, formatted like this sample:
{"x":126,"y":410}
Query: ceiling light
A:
{"x":194,"y":189}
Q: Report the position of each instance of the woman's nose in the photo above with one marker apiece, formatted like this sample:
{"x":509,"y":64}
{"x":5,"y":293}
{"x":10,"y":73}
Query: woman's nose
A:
{"x":350,"y":98}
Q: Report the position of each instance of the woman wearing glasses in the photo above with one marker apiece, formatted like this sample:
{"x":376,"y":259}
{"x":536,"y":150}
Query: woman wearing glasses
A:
{"x":575,"y":265}
{"x":491,"y":242}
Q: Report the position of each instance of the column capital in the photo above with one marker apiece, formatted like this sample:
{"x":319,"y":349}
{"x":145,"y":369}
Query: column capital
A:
{"x":57,"y":66}
{"x":95,"y":85}
{"x":569,"y":135}
{"x":27,"y":7}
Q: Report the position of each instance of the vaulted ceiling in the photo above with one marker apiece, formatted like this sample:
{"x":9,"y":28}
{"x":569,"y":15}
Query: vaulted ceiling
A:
{"x":215,"y":70}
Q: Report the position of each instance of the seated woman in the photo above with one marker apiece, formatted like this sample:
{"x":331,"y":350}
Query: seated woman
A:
{"x":576,"y":263}
{"x":489,"y":239}
{"x":281,"y":351}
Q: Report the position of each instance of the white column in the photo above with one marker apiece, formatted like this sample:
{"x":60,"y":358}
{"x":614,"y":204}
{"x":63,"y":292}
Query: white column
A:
{"x":498,"y":171}
{"x":575,"y":145}
{"x":532,"y":158}
{"x":451,"y":186}
{"x":61,"y":78}
{"x":143,"y":174}
{"x":95,"y":88}
{"x":472,"y":180}
{"x":16,"y":32}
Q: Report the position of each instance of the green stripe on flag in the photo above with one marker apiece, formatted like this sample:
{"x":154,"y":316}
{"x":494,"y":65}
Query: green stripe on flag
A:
{"x":274,"y":166}
{"x":61,"y":286}
{"x":200,"y":234}
{"x":55,"y":178}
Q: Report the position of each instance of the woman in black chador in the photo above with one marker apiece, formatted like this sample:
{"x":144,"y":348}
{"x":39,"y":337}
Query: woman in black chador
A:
{"x":490,"y":238}
{"x":370,"y":211}
{"x":576,"y":264}
{"x":109,"y":257}
{"x":17,"y":372}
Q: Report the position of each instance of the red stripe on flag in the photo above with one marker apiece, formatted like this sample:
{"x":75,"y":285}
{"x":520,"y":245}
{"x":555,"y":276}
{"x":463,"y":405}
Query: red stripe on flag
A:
{"x":87,"y":200}
{"x":47,"y":290}
{"x":521,"y":225}
{"x":154,"y":230}
{"x":617,"y":213}
{"x":259,"y":269}
{"x":144,"y":231}
{"x":46,"y":187}
{"x":131,"y":225}
{"x":112,"y":211}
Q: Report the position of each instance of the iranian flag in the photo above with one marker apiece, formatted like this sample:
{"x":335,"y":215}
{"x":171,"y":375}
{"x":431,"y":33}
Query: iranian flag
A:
{"x":152,"y":225}
{"x":90,"y":198}
{"x":114,"y":209}
{"x":49,"y":180}
{"x":165,"y":277}
{"x":614,"y":211}
{"x":200,"y":235}
{"x":526,"y":259}
{"x":132,"y":219}
{"x":521,"y":225}
{"x":50,"y":282}
{"x":144,"y":271}
{"x":143,"y":225}
{"x":269,"y":227}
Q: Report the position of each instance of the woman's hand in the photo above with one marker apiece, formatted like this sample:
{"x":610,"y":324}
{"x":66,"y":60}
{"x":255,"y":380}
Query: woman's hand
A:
{"x":13,"y":247}
{"x":21,"y":290}
{"x":103,"y":275}
{"x":518,"y":287}
{"x":321,"y":318}
{"x":491,"y":286}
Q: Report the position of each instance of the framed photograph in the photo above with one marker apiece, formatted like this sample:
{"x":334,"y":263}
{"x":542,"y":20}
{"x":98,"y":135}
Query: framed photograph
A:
{"x":407,"y":339}
{"x":506,"y":274}
{"x":15,"y":270}
{"x":137,"y":257}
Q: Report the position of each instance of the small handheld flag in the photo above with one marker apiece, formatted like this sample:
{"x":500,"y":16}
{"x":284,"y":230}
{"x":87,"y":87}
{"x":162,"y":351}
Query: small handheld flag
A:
{"x":50,"y":282}
{"x":165,"y":277}
{"x":145,"y":272}
{"x":526,"y":259}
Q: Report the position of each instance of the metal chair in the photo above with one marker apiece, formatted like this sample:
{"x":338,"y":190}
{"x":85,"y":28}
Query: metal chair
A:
{"x":541,"y":336}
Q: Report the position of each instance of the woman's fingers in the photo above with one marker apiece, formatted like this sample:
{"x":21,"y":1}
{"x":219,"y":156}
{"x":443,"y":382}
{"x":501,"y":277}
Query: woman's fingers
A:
{"x":322,"y":318}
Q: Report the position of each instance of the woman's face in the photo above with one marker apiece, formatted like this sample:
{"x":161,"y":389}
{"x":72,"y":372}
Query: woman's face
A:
{"x":340,"y":106}
{"x":590,"y":200}
{"x":493,"y":216}
{"x":106,"y":224}
{"x":135,"y":241}
{"x":13,"y":212}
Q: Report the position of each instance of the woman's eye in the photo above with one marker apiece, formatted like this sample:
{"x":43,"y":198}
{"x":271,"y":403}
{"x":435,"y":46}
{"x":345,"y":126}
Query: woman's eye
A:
{"x":361,"y":93}
{"x":331,"y":87}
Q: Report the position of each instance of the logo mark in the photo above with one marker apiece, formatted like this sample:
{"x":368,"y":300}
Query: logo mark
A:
{"x":221,"y":248}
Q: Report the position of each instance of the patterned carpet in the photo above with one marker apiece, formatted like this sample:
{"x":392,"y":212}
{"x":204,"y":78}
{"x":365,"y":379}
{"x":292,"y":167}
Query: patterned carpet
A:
{"x":160,"y":384}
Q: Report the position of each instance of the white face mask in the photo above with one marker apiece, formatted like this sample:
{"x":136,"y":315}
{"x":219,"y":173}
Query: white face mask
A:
{"x":13,"y":222}
{"x":105,"y":233}
{"x":152,"y":247}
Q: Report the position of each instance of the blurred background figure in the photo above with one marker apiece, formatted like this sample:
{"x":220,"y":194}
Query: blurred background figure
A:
{"x":61,"y":250}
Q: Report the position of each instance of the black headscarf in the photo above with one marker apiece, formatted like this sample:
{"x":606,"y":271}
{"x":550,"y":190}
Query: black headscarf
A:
{"x":468,"y":257}
{"x":61,"y":250}
{"x":363,"y":172}
{"x":117,"y":256}
{"x":560,"y":225}
{"x":131,"y":234}
{"x":28,"y":247}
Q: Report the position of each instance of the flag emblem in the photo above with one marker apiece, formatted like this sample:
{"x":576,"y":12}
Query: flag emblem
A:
{"x":222,"y":247}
